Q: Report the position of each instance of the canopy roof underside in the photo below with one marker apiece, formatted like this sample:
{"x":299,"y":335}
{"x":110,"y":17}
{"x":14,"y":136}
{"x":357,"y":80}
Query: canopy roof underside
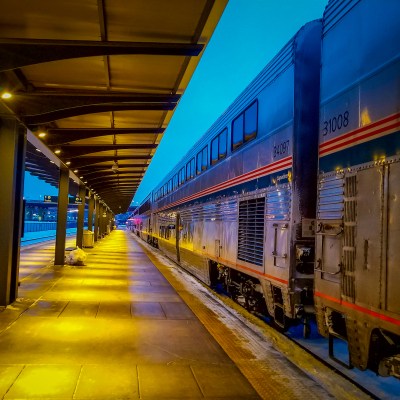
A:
{"x":101,"y":79}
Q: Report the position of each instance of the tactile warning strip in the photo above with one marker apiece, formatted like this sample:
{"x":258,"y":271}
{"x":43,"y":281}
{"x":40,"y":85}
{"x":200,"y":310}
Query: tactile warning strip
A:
{"x":268,"y":376}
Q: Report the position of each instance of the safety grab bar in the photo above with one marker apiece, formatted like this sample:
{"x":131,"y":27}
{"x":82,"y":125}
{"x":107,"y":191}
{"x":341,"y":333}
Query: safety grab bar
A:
{"x":319,"y":268}
{"x":275,"y":254}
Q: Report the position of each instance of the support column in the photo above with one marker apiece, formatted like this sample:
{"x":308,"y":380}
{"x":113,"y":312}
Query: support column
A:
{"x":12,"y":162}
{"x":108,"y":225}
{"x":101,"y":220}
{"x":96,"y":219}
{"x":90,"y":211}
{"x":61,"y":216}
{"x":81,"y":216}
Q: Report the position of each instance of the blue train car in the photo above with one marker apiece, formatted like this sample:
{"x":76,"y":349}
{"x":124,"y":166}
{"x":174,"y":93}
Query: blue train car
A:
{"x":357,"y":278}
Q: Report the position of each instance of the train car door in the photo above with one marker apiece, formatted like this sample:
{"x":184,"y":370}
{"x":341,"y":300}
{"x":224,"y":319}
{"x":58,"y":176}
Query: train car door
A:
{"x":368,"y":235}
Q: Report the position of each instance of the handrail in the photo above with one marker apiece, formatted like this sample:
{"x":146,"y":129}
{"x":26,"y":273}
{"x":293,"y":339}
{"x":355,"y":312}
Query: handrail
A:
{"x":319,"y":268}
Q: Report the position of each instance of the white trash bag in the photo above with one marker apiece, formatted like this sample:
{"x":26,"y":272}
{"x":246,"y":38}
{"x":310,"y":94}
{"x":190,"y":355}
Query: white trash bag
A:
{"x":76,"y":257}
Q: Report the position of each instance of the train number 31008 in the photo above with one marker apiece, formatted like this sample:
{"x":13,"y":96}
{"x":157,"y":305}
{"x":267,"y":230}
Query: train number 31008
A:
{"x":335,"y":124}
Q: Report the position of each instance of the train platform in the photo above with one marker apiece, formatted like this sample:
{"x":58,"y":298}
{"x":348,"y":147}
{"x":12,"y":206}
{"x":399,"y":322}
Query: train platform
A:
{"x":124,"y":327}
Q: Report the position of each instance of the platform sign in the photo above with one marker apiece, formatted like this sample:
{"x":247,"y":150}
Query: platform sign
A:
{"x":47,"y":198}
{"x":78,"y":200}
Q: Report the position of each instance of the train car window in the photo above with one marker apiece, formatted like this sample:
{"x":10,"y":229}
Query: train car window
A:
{"x":237,"y":132}
{"x":175,"y":182}
{"x":223,"y":140}
{"x":170,"y":186}
{"x":199,"y":162}
{"x":244,"y":127}
{"x":214,"y":151}
{"x":219,"y":147}
{"x":202,"y":160}
{"x":188,"y":172}
{"x":182,"y":176}
{"x":250,"y":122}
{"x":192,"y":167}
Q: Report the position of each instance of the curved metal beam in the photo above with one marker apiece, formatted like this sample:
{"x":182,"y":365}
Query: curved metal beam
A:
{"x":93,"y":109}
{"x":88,"y":161}
{"x":98,"y":168}
{"x":58,"y":136}
{"x":17,"y":53}
{"x":110,"y":174}
{"x":50,"y":101}
{"x":72,"y":151}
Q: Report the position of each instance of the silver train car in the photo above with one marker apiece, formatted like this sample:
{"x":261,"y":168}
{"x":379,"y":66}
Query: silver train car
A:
{"x":357,"y":277}
{"x":241,"y":204}
{"x":291,"y":198}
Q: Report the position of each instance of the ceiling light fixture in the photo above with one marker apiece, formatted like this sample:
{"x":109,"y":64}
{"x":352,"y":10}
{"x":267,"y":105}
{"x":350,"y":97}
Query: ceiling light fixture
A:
{"x":115,"y":167}
{"x":68,"y":163}
{"x":58,"y":151}
{"x":6,"y":95}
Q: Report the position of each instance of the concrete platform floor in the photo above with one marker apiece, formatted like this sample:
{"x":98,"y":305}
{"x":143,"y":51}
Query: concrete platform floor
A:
{"x":113,"y":329}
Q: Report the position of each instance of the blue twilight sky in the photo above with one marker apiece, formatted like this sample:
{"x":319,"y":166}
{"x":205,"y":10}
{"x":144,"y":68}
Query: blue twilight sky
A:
{"x":249,"y":34}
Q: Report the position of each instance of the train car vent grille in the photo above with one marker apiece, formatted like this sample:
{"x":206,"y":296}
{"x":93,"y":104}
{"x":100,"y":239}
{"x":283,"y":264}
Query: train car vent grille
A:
{"x":330,"y":197}
{"x":349,"y":231}
{"x":251,"y":231}
{"x":279,"y":203}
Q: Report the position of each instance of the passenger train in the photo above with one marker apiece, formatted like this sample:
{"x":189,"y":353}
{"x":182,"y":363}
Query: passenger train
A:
{"x":291,"y":199}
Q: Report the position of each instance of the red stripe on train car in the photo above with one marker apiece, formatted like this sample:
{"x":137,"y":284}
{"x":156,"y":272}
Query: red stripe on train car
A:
{"x":358,"y":138}
{"x":358,"y":308}
{"x":392,"y":117}
{"x":265,"y":170}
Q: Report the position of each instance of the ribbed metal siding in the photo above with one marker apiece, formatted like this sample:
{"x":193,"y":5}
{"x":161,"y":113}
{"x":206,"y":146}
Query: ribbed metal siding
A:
{"x":251,"y":231}
{"x":330,"y":197}
{"x":349,"y":250}
{"x":279,"y":203}
{"x":335,"y":11}
{"x":224,"y":211}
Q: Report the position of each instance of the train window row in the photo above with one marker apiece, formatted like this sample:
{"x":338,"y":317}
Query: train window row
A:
{"x":244,"y":129}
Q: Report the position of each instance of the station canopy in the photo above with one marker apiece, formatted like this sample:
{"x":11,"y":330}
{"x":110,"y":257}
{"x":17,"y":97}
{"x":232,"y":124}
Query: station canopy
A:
{"x":96,"y":83}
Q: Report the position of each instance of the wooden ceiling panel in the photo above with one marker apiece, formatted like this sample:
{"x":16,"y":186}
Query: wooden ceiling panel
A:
{"x":152,"y":74}
{"x":143,"y":119}
{"x":47,"y":19}
{"x":142,"y":23}
{"x":82,"y":73}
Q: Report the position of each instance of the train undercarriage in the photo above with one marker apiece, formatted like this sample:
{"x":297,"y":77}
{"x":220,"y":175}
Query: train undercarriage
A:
{"x":248,"y":292}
